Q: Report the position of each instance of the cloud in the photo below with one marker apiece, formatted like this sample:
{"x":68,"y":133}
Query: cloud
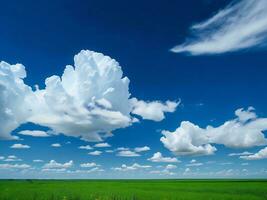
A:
{"x":38,"y":161}
{"x":157,"y":157}
{"x":101,"y":145}
{"x":86,"y":147}
{"x":135,"y":166}
{"x":262,"y":154}
{"x":170,"y":167}
{"x":141,"y":149}
{"x":245,"y":131}
{"x":188,"y":139}
{"x":194,"y":164}
{"x":20,"y":146}
{"x":15,"y":166}
{"x":82,"y":103}
{"x":239,"y":26}
{"x":56,"y":145}
{"x":55,"y":165}
{"x":152,"y":110}
{"x":88,"y":165}
{"x":95,"y":153}
{"x":127,"y":153}
{"x":12,"y":158}
{"x":34,"y":133}
{"x":245,"y":153}
{"x":122,"y":149}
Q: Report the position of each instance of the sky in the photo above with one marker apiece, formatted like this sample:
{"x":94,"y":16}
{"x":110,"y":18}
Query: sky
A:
{"x":136,"y":89}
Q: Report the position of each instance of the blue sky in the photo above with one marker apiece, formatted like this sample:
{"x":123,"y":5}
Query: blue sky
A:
{"x":189,"y":67}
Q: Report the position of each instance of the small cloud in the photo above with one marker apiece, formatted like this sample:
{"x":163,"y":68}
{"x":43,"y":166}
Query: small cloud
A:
{"x":95,"y":153}
{"x":194,"y":164}
{"x":141,"y":149}
{"x":34,"y":133}
{"x":157,"y":157}
{"x":127,"y":153}
{"x":245,"y":153}
{"x":89,"y":165}
{"x":102,"y":145}
{"x":38,"y":161}
{"x":56,"y":145}
{"x":86,"y":147}
{"x":262,"y":154}
{"x":122,"y":149}
{"x":133,"y":167}
{"x":20,"y":146}
{"x":55,"y":165}
{"x":154,"y":110}
{"x":15,"y":166}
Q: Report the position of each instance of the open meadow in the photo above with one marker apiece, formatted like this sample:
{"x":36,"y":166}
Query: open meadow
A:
{"x":133,"y":189}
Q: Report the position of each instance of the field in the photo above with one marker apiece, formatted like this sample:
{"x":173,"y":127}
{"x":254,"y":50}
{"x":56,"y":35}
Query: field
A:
{"x":132,"y":189}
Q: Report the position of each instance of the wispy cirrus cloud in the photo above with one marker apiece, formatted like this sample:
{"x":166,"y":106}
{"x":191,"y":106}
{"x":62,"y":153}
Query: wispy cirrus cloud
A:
{"x":241,"y":25}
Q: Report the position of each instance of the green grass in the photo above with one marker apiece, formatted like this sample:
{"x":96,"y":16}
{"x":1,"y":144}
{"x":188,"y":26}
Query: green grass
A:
{"x":133,"y":190}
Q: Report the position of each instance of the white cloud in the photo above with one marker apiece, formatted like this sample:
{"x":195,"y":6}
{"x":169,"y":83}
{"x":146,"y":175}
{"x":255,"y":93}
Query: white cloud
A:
{"x":157,"y":157}
{"x":135,"y":166}
{"x":56,"y":145}
{"x":38,"y":161}
{"x":122,"y":149}
{"x":34,"y":133}
{"x":89,"y":165}
{"x":239,"y":26}
{"x":95,"y":153}
{"x":170,"y":167}
{"x":141,"y":149}
{"x":246,"y":130}
{"x":54,"y":170}
{"x":245,"y":153}
{"x":188,"y":139}
{"x":86,"y":147}
{"x":194,"y":164}
{"x":55,"y":165}
{"x":127,"y":153}
{"x":101,"y":145}
{"x":20,"y":146}
{"x":152,"y":110}
{"x":2,"y":157}
{"x":109,"y":151}
{"x":15,"y":166}
{"x":12,"y":158}
{"x":82,"y":103}
{"x":262,"y":154}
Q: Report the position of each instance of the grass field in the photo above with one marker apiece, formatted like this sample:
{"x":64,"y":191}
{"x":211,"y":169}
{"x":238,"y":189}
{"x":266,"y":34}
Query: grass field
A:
{"x":132,"y":190}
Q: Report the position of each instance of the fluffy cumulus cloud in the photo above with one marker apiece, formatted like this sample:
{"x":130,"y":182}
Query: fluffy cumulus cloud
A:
{"x":55,"y":165}
{"x":135,"y":166}
{"x":141,"y":149}
{"x":157,"y":157}
{"x":241,"y":25}
{"x":83,"y":102}
{"x":102,"y":145}
{"x":20,"y":146}
{"x":127,"y":153}
{"x":246,"y":130}
{"x":152,"y":110}
{"x":89,"y":165}
{"x":262,"y":154}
